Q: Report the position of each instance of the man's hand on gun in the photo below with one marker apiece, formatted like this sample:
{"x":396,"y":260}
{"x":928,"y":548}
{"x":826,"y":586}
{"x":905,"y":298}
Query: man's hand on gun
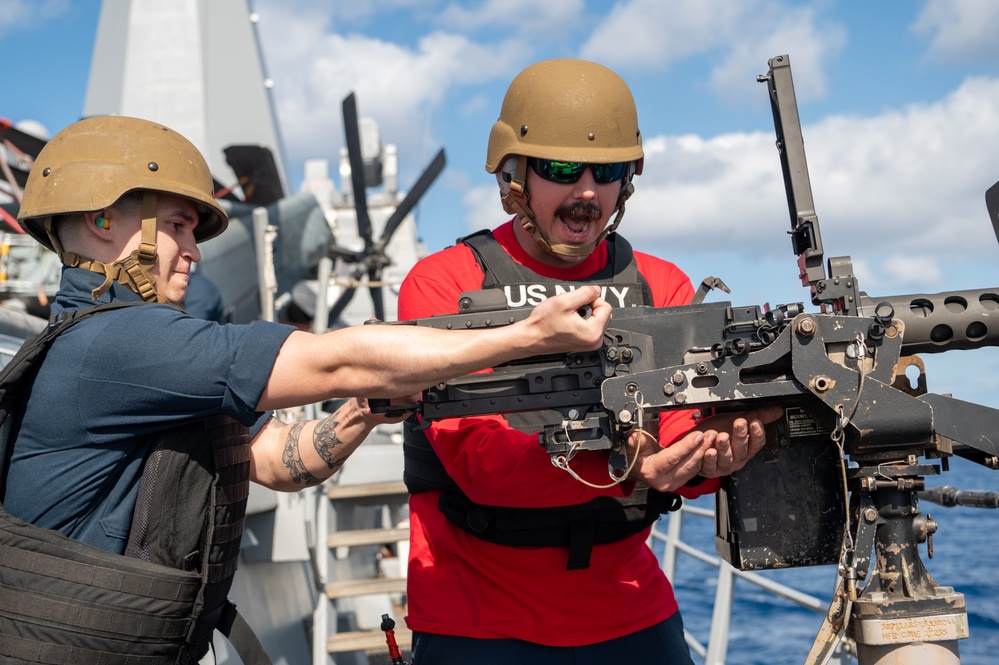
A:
{"x":718,"y":446}
{"x":558,"y":326}
{"x":372,"y":419}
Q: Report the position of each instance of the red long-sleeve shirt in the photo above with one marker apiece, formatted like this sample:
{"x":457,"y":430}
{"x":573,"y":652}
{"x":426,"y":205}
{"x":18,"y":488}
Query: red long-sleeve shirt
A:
{"x":466,"y":586}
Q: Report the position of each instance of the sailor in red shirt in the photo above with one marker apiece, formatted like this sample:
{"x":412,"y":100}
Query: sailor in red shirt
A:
{"x":564,"y":151}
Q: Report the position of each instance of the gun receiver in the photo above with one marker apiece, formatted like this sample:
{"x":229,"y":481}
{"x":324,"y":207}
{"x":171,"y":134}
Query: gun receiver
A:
{"x":725,"y":358}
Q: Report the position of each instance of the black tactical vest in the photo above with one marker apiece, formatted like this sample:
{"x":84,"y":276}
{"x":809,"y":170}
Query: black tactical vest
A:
{"x":622,"y":284}
{"x":602,"y":520}
{"x":63,"y":602}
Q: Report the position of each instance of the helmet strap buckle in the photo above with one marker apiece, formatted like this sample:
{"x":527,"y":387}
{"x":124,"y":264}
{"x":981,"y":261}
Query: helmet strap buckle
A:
{"x":135,"y":271}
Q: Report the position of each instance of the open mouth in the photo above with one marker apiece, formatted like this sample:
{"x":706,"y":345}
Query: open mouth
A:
{"x":576,"y":226}
{"x":576,"y":219}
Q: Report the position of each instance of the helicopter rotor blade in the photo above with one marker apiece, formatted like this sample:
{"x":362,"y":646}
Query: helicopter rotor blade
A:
{"x":423,"y":183}
{"x":426,"y":179}
{"x":352,"y":134}
{"x":341,"y":304}
{"x":371,"y":260}
{"x":375,"y":289}
{"x":348,"y":293}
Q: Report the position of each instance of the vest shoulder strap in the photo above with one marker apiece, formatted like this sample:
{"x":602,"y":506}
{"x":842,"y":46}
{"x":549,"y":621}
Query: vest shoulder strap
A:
{"x":22,"y":369}
{"x":497,"y":266}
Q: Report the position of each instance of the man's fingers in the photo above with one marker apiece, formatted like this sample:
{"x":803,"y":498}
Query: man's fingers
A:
{"x":709,"y":463}
{"x":766,"y":414}
{"x":669,"y":468}
{"x":738,"y":423}
{"x":601,"y":310}
{"x":561,"y":327}
{"x":573,"y":301}
{"x":719,"y":446}
{"x":725,"y":449}
{"x":583,"y":295}
{"x":757,"y":438}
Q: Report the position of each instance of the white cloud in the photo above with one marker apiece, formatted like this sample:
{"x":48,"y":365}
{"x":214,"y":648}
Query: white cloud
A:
{"x":701,"y":192}
{"x":332,"y":11}
{"x":739,"y":35}
{"x":29,"y":14}
{"x":315,"y":63}
{"x":911,"y":270}
{"x":14,"y":13}
{"x":654,"y":33}
{"x":526,"y":17}
{"x":796,"y":32}
{"x":912,"y":180}
{"x":315,"y":69}
{"x":916,"y":177}
{"x":962,"y":30}
{"x":484,"y":207}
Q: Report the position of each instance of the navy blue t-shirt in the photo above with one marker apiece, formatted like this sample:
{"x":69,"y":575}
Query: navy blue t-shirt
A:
{"x":203,"y":299}
{"x":107,"y":385}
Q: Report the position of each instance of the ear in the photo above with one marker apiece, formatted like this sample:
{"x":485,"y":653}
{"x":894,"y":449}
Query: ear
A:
{"x":96,"y":224}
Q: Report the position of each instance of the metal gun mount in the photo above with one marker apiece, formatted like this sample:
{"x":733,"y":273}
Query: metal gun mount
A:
{"x":839,"y":478}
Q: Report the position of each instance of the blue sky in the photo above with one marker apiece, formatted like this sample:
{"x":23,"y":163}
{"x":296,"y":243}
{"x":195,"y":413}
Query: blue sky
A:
{"x":899,"y":102}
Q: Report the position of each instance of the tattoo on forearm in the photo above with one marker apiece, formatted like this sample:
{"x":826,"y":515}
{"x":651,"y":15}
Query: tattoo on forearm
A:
{"x":326,"y":442}
{"x":293,"y":459}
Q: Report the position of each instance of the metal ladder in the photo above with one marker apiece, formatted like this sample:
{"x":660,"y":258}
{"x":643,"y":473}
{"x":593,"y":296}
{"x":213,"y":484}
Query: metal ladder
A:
{"x":355,"y":522}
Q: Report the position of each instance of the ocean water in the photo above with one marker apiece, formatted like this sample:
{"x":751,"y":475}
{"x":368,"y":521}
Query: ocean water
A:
{"x":767,"y":630}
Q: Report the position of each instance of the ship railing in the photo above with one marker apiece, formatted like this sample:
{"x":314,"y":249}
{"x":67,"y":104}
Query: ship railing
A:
{"x":714,"y":652}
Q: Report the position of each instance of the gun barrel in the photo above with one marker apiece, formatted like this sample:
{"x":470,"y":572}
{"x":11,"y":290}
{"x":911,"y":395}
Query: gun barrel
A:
{"x":940,"y":322}
{"x":951,"y":496}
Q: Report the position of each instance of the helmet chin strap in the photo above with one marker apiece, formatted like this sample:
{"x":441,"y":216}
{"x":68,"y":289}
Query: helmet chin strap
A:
{"x":517,"y":202}
{"x":134,"y":271}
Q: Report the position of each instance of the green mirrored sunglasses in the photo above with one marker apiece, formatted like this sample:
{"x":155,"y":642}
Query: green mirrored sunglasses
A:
{"x":565,"y":173}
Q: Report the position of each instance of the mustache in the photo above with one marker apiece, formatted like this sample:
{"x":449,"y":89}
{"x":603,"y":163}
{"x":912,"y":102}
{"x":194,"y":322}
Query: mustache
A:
{"x":579,"y":211}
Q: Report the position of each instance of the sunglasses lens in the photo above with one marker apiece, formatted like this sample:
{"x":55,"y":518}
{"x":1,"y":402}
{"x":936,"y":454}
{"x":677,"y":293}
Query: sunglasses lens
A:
{"x":570,"y":172}
{"x":604,"y":173}
{"x":559,"y":171}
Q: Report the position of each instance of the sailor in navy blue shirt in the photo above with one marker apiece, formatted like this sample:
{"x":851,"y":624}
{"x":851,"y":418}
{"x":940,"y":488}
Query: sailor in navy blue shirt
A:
{"x":106,"y":386}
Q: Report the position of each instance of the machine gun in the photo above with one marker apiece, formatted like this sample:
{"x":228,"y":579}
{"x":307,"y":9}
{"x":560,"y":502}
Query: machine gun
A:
{"x":839,"y":478}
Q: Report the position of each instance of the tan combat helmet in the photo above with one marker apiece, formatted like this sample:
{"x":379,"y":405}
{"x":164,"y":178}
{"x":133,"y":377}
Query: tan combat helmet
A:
{"x":563,"y":109}
{"x":92,"y":163}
